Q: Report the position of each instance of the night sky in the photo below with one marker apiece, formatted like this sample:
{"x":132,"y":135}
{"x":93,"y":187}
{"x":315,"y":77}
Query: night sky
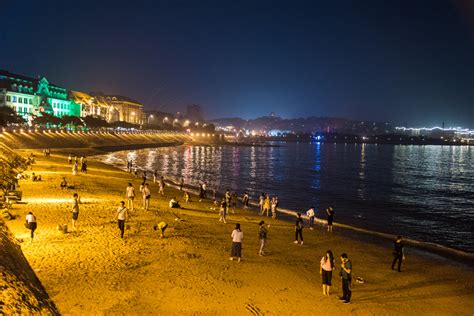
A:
{"x":404,"y":61}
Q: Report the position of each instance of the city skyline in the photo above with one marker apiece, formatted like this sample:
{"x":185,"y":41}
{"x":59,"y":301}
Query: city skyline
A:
{"x":407,"y":63}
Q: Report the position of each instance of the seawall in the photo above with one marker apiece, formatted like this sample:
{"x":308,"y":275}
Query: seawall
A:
{"x":21,"y":293}
{"x":105,"y":141}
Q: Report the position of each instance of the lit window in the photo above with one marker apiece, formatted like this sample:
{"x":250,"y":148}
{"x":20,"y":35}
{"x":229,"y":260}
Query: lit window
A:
{"x":20,"y":100}
{"x":14,"y":98}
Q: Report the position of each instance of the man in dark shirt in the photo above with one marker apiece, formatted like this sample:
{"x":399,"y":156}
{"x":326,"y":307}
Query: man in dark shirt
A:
{"x":262,"y":235}
{"x":346,"y":275}
{"x":398,"y":254}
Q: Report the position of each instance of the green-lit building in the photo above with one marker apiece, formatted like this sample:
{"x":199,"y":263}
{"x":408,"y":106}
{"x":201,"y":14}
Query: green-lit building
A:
{"x":30,"y":97}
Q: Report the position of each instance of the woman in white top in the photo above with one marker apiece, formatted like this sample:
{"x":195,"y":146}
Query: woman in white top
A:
{"x":237,"y":236}
{"x":130,"y":192}
{"x":31,"y":224}
{"x":325,"y":269}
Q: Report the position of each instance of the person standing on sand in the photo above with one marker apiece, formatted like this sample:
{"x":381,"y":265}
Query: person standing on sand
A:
{"x":245,"y":200}
{"x":234,"y":202}
{"x":31,"y":224}
{"x":181,"y":184}
{"x":262,"y":235}
{"x":346,"y":275}
{"x":122,"y":215}
{"x":274,"y":207}
{"x":266,"y":206}
{"x":228,"y":200}
{"x":299,"y":229}
{"x":75,"y":209}
{"x":186,"y":196}
{"x":69,"y":159}
{"x":130,"y":194}
{"x":310,"y":214}
{"x":162,"y":186}
{"x":204,"y":190}
{"x":201,"y":191}
{"x":223,"y":211}
{"x":155,"y":176}
{"x":330,"y":212}
{"x":74,"y":168}
{"x":146,"y":197}
{"x":325,"y":269}
{"x":260,"y":202}
{"x":237,"y":237}
{"x":398,"y":253}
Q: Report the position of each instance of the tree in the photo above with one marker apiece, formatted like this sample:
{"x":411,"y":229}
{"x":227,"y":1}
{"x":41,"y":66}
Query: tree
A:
{"x":71,"y":120}
{"x":46,"y":120}
{"x":9,"y":116}
{"x":94,"y":122}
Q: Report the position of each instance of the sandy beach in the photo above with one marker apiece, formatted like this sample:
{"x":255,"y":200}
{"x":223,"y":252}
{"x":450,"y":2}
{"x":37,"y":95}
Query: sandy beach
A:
{"x":91,"y":271}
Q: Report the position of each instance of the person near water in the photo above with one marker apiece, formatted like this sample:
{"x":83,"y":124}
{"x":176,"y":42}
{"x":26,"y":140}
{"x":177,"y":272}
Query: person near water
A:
{"x":261,"y":200}
{"x":181,"y":184}
{"x":31,"y":224}
{"x":63,"y":184}
{"x":162,"y":226}
{"x":201,"y":191}
{"x":146,"y":197}
{"x":155,"y":176}
{"x":234,"y":202}
{"x":237,"y":237}
{"x":245,"y":200}
{"x":122,"y":216}
{"x":69,"y":159}
{"x":228,"y":201}
{"x":310,"y":214}
{"x":330,"y":212}
{"x":299,"y":229}
{"x":274,"y":204}
{"x":130,"y":194}
{"x":223,"y":211}
{"x":186,"y":197}
{"x":262,"y":235}
{"x":326,"y":266}
{"x":266,"y":206}
{"x":204,"y":190}
{"x":74,"y":168}
{"x":398,"y":253}
{"x":75,"y":209}
{"x":346,"y":276}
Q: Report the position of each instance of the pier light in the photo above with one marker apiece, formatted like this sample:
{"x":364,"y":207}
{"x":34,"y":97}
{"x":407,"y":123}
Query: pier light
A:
{"x":208,"y":135}
{"x":14,"y":131}
{"x":203,"y":134}
{"x":21,"y":130}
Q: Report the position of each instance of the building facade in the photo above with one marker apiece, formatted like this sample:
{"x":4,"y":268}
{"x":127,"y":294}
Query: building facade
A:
{"x":30,"y":97}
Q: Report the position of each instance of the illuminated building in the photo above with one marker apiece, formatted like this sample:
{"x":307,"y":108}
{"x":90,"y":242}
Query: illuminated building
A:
{"x":29,"y":96}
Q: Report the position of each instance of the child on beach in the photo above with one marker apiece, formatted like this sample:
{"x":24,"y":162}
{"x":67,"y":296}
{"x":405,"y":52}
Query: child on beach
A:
{"x":325,"y":269}
{"x":162,"y":227}
{"x":75,"y":209}
{"x":237,"y":237}
{"x":299,"y":229}
{"x":31,"y":224}
{"x":130,"y":194}
{"x":330,"y":212}
{"x":223,"y":211}
{"x":122,"y":215}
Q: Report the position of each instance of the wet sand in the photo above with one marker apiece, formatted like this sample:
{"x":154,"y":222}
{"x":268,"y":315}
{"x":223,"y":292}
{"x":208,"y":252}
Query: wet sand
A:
{"x":90,"y":270}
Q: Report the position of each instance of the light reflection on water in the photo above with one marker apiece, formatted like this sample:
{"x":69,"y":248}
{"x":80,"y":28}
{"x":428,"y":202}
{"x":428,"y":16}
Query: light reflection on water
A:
{"x":424,"y":192}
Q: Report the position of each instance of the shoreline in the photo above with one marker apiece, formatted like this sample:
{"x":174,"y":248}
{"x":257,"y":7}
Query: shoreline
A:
{"x":90,"y":270}
{"x":458,"y":255}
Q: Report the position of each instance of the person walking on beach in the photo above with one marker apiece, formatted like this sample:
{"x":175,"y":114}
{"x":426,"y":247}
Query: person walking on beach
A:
{"x":330,"y":212}
{"x":228,"y":200}
{"x":155,"y":176}
{"x":122,"y":215}
{"x":262,"y":235}
{"x":130,"y":194}
{"x":75,"y":209}
{"x":245,"y":200}
{"x":162,"y":186}
{"x":237,"y":237}
{"x":201,"y":192}
{"x":346,"y":275}
{"x":325,"y":269}
{"x":310,"y":214}
{"x":146,"y":197}
{"x":234,"y":201}
{"x":299,"y":229}
{"x":223,"y":211}
{"x":398,"y":253}
{"x":74,"y":168}
{"x":69,"y":159}
{"x":204,"y":190}
{"x":31,"y":224}
{"x":181,"y":184}
{"x":186,"y":196}
{"x":274,"y":207}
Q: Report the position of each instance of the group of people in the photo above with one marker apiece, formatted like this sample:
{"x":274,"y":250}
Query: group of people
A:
{"x":75,"y":164}
{"x":267,"y":204}
{"x":311,"y":213}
